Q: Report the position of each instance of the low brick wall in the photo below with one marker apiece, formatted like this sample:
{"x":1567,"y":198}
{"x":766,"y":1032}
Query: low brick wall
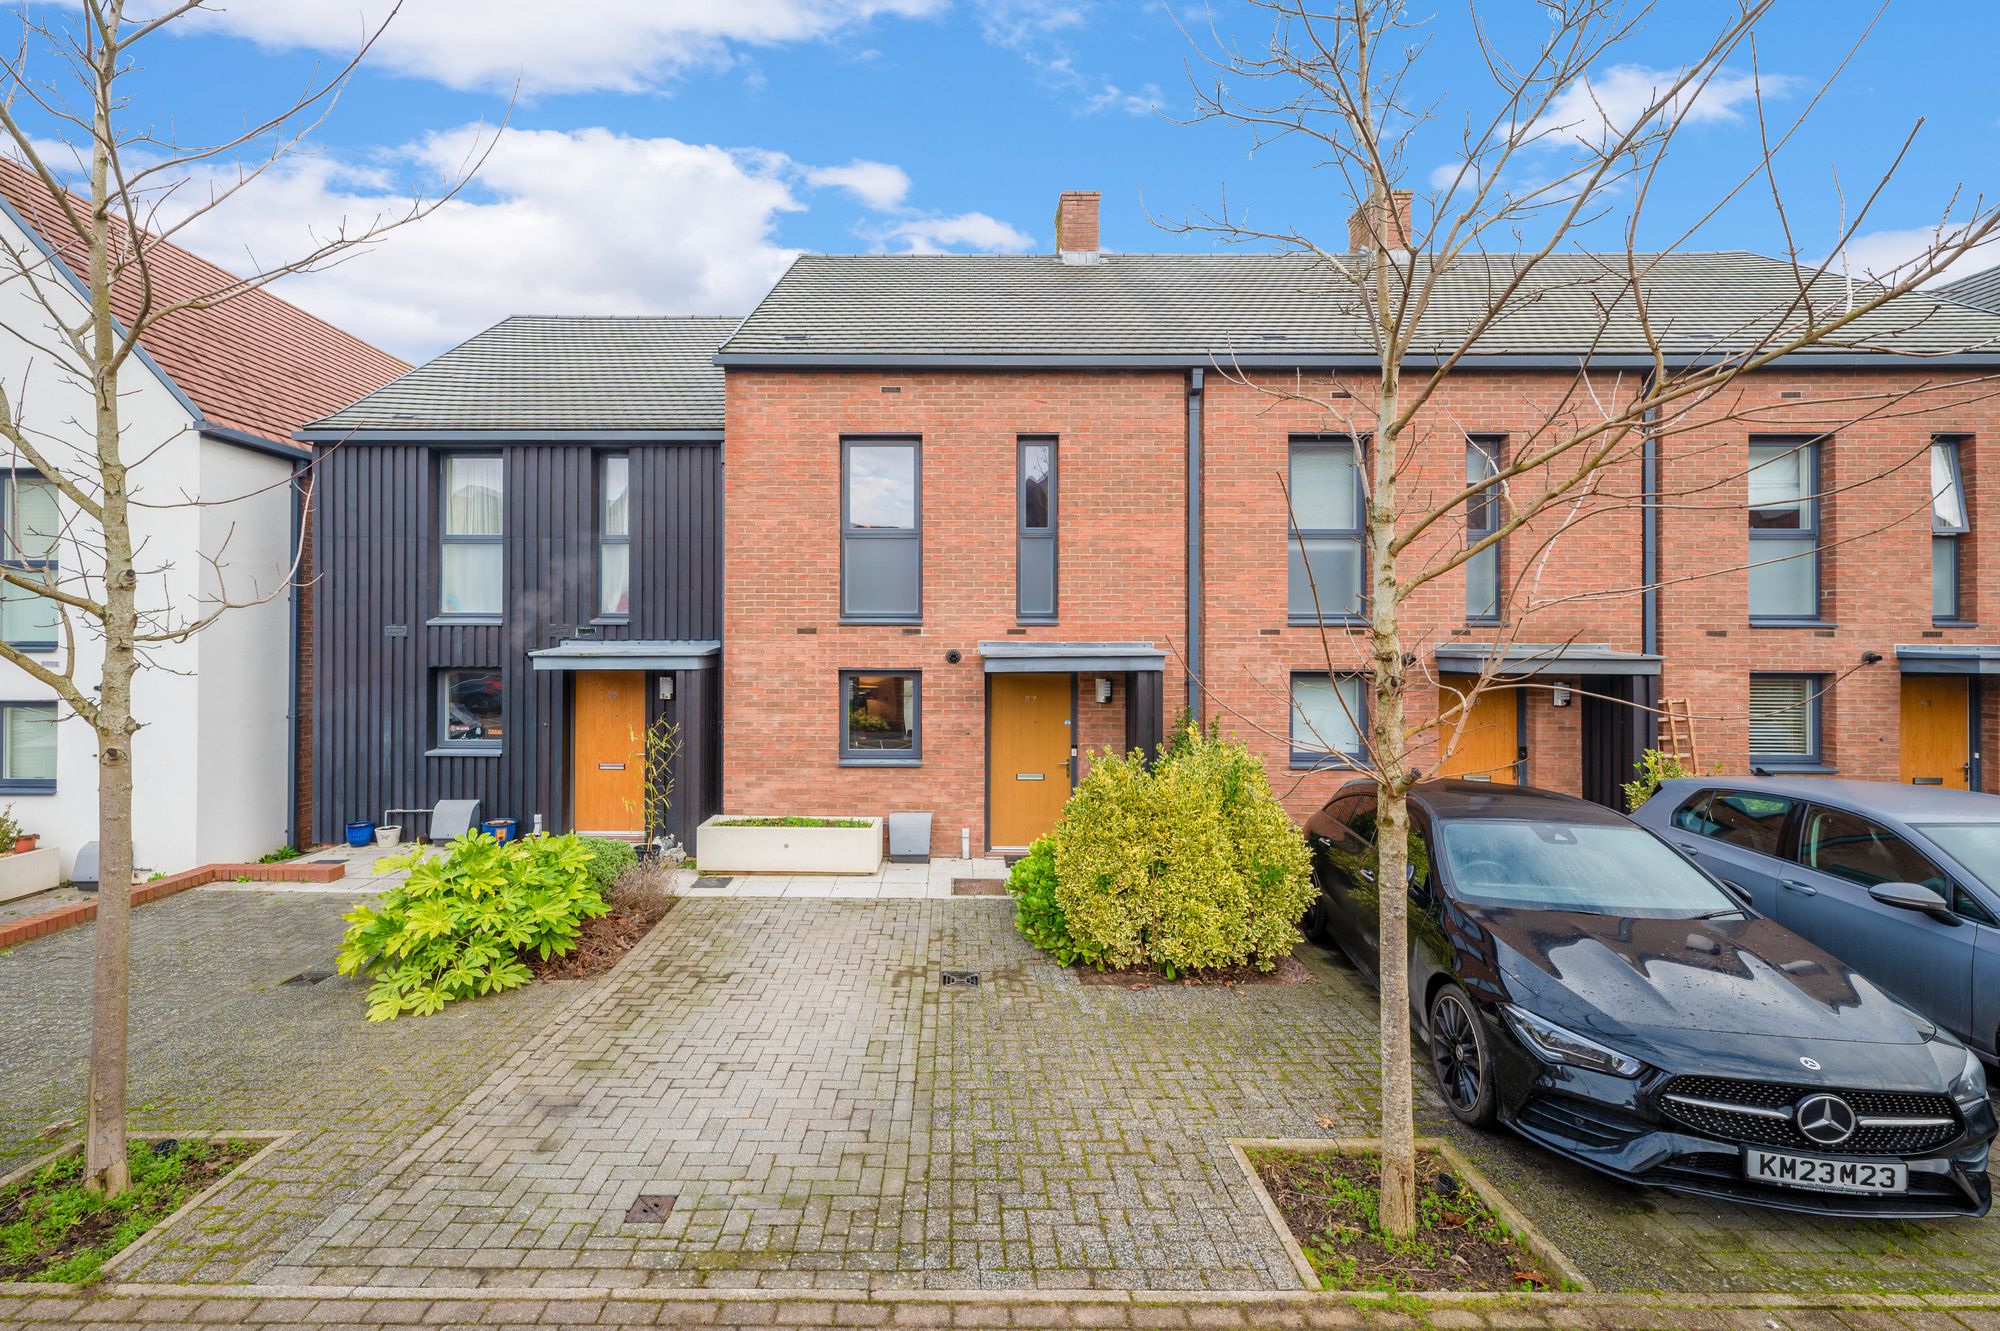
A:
{"x":15,"y":932}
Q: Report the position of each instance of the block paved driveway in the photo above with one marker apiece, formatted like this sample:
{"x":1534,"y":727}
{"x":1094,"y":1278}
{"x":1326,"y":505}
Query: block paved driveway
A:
{"x":822,"y":1110}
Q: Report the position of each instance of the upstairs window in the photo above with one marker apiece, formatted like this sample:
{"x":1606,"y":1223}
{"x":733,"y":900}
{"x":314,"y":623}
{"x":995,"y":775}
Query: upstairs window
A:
{"x":29,"y":526}
{"x":1482,"y":519}
{"x":1784,"y":531}
{"x":1035,"y":532}
{"x":614,"y":536}
{"x":471,"y":579}
{"x":1784,"y":720}
{"x":1950,"y":524}
{"x":881,"y":532}
{"x":1327,"y":717}
{"x":1324,"y":555}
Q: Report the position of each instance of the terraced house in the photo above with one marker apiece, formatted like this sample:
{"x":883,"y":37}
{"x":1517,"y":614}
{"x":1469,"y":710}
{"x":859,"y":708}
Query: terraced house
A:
{"x":982,"y":515}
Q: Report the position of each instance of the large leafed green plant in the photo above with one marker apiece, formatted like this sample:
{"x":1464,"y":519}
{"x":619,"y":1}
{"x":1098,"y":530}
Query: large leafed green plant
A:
{"x":1188,"y":863}
{"x":464,"y":921}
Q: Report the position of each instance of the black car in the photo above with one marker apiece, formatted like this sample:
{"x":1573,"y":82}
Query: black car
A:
{"x":1577,"y":979}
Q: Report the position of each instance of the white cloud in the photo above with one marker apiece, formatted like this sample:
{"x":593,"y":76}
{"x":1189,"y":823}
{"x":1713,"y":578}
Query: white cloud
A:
{"x":1609,"y":102}
{"x":877,"y":184}
{"x":938,"y":235}
{"x":1885,"y":256}
{"x":564,"y":46}
{"x":1031,"y":28}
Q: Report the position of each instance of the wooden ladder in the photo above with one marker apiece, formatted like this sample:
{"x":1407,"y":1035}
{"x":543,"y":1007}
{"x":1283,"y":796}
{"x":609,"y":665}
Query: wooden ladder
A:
{"x":1677,"y":732}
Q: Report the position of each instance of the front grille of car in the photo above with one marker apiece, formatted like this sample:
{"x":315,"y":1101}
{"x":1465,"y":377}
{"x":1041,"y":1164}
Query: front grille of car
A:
{"x":1715,"y":1119}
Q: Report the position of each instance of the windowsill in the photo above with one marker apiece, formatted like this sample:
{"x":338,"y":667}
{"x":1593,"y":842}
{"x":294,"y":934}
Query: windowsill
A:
{"x":1793,"y":624}
{"x":1341,"y":763}
{"x":881,"y":762}
{"x":27,"y":787}
{"x":1793,"y":769}
{"x":461,"y":621}
{"x":1037,"y":623}
{"x":845,"y":622}
{"x":1326,"y":621}
{"x":1954,"y":623}
{"x":612,"y":621}
{"x":464,"y":751}
{"x":36,"y":648}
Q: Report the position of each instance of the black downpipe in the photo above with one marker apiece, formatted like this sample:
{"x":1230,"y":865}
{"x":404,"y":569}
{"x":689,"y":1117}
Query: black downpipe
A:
{"x":293,"y":703}
{"x":1194,"y":539}
{"x":1649,"y":571}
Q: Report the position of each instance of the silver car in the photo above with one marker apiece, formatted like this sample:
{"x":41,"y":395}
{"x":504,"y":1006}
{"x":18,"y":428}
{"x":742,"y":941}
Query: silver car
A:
{"x":1900,"y":882}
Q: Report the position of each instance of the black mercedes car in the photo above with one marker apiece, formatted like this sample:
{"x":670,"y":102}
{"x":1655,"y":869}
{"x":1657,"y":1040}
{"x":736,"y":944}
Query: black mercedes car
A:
{"x":1577,"y":979}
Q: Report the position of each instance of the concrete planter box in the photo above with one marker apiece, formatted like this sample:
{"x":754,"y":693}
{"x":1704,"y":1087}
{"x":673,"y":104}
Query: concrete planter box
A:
{"x":719,"y":849}
{"x":27,"y":872}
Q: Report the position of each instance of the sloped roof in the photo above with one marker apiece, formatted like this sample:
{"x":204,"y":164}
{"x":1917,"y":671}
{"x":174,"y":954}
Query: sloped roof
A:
{"x":1266,"y":308}
{"x":255,"y":364}
{"x":1981,"y":290}
{"x":532,"y":374}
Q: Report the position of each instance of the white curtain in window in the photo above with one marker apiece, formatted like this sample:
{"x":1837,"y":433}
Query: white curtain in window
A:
{"x":1947,"y":495}
{"x":473,"y":499}
{"x":32,"y":520}
{"x":1326,"y":714}
{"x":30,"y":744}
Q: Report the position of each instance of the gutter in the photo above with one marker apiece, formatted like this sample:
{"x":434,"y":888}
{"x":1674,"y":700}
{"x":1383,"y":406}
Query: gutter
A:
{"x":1310,"y":360}
{"x":1194,"y":540}
{"x":379,"y":435}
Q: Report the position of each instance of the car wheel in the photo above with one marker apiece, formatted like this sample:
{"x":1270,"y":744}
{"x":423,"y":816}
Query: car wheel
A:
{"x":1459,"y":1058}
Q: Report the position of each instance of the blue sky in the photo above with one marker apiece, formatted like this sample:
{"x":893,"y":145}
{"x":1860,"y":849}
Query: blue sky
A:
{"x":669,"y":156}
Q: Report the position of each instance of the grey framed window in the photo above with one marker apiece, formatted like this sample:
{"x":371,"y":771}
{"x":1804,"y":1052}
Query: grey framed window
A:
{"x":1951,"y":523}
{"x":27,"y":748}
{"x":1329,"y":714}
{"x":471,"y":580}
{"x":1323,"y":551}
{"x":471,"y":710}
{"x":881,"y":718}
{"x":1785,"y":720}
{"x":881,"y":531}
{"x":1035,"y":500}
{"x":30,"y":524}
{"x":1750,"y":819}
{"x":1482,"y":519}
{"x":1784,"y":531}
{"x":614,"y":536}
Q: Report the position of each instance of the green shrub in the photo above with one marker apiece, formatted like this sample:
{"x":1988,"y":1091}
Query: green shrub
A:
{"x":1037,"y":913}
{"x":1653,"y":767}
{"x":608,"y":859}
{"x":463,"y":921}
{"x":1189,"y":864}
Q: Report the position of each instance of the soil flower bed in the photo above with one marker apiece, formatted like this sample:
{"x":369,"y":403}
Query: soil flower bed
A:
{"x":1328,"y":1201}
{"x":792,"y":821}
{"x":52,"y":1229}
{"x":602,"y":941}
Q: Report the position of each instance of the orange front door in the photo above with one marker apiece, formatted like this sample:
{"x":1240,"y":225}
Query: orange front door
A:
{"x":1488,"y":746}
{"x":609,"y":743}
{"x":1029,"y":734}
{"x":1937,"y":730}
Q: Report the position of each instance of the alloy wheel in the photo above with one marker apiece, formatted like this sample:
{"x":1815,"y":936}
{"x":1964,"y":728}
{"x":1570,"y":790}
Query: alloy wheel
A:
{"x":1455,"y":1053}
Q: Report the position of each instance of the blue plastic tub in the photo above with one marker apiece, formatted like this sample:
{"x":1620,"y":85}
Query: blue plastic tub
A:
{"x":500,"y":829}
{"x":360,"y":834}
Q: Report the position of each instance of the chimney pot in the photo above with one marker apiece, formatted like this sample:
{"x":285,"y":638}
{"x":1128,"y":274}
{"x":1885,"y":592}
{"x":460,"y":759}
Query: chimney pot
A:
{"x":1373,"y":224}
{"x":1076,"y":226}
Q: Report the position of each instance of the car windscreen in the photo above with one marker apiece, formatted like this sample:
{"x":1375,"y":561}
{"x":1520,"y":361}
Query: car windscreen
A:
{"x":1589,"y":868}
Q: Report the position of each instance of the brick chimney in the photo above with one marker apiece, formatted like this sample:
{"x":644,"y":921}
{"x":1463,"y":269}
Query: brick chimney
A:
{"x":1076,"y":226}
{"x":1371,"y":221}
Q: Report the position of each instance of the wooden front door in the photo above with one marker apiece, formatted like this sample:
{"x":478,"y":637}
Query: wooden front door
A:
{"x":1937,"y":730}
{"x":1029,"y":736}
{"x":1489,"y":746}
{"x":609,"y":742}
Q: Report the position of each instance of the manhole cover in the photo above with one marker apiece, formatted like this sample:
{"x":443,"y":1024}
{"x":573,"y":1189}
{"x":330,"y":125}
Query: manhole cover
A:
{"x":711,"y":883}
{"x":959,"y":979}
{"x":979,"y":887}
{"x":309,"y":977}
{"x":650,"y":1208}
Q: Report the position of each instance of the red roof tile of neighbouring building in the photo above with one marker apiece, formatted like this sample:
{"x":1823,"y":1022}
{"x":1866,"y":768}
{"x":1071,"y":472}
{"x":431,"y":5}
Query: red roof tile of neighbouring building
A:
{"x":255,"y":364}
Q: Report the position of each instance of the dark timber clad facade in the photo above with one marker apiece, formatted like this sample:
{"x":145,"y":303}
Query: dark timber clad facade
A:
{"x":380,"y":644}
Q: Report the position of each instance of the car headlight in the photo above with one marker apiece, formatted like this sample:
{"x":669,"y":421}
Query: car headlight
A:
{"x":1554,"y":1044}
{"x":1968,"y":1088}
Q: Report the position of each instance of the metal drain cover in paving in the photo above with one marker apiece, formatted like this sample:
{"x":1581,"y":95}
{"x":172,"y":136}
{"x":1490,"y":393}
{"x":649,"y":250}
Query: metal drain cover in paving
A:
{"x":650,"y":1208}
{"x":979,"y":887}
{"x":308,"y":977}
{"x":711,"y":883}
{"x":959,"y":979}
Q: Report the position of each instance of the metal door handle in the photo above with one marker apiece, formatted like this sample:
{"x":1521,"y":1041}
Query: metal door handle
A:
{"x":611,"y":767}
{"x":1688,"y":847}
{"x":1794,"y":885}
{"x":1027,"y":776}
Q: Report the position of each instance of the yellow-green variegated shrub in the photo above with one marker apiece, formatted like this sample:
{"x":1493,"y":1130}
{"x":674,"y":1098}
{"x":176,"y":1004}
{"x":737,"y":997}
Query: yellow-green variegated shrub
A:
{"x":1191,"y":863}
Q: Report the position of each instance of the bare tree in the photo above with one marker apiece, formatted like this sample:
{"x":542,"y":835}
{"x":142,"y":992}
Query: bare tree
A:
{"x":106,"y":196}
{"x":1431,"y":277}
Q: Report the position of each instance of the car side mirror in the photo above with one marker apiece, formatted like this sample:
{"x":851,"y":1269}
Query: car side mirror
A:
{"x":1914,"y":896}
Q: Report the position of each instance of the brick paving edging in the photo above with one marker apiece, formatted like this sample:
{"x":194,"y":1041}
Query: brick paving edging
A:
{"x":15,"y":932}
{"x":243,"y":1306}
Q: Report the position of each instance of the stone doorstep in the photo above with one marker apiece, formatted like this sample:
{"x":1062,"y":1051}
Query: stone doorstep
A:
{"x":15,"y":932}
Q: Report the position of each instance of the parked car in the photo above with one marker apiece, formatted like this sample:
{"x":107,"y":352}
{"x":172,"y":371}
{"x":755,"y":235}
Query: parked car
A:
{"x":1578,"y":980}
{"x":1900,"y":882}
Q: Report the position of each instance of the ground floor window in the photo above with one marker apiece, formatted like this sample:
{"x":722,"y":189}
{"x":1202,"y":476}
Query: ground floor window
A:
{"x":27,"y":748}
{"x":1327,"y":718}
{"x":879,"y":716}
{"x":469,"y":709}
{"x":1785,"y":719}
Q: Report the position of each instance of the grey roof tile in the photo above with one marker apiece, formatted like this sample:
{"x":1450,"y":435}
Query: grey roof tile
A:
{"x":1225,"y":306}
{"x":1981,"y":290}
{"x":533,"y":374}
